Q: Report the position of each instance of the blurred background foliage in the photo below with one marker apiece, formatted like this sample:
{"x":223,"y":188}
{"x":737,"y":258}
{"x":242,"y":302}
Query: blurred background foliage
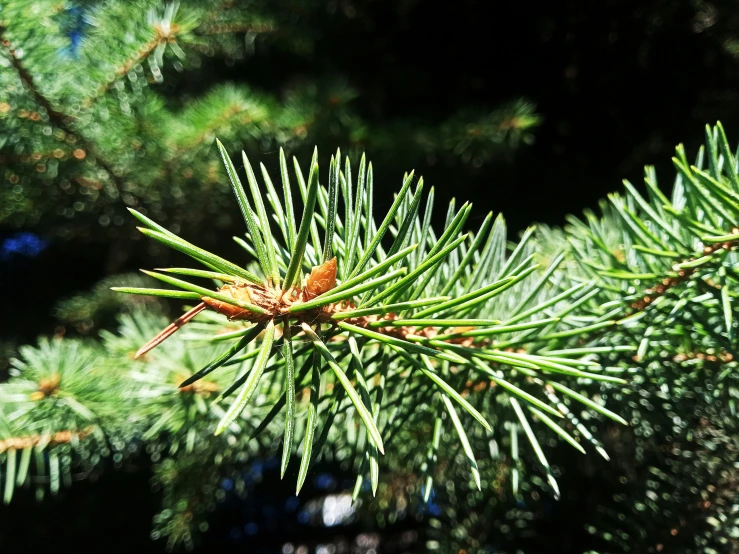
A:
{"x":106,"y":105}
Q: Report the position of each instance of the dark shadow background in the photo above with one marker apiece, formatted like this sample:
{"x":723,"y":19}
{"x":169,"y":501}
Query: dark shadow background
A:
{"x":618,"y":83}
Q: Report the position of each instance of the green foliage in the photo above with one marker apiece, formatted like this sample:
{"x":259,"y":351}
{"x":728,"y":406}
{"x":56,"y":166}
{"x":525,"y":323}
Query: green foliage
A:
{"x":99,"y":307}
{"x":390,"y":311}
{"x":669,"y":264}
{"x":89,"y":124}
{"x":665,"y":269}
{"x":58,"y":415}
{"x":388,"y":347}
{"x":412,"y":326}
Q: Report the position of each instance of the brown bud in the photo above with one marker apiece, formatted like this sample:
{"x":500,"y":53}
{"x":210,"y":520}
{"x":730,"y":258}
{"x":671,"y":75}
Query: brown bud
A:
{"x":321,"y":279}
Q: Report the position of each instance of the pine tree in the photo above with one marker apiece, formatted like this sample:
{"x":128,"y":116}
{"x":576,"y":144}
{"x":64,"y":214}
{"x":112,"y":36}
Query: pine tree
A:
{"x":91,"y":125}
{"x":664,"y":269}
{"x":362,"y":325}
{"x":339,"y":333}
{"x":401,"y":338}
{"x":673,"y":261}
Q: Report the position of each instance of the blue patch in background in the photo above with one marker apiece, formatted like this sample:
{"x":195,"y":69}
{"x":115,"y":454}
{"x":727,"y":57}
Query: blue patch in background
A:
{"x":74,"y":24}
{"x":22,"y":244}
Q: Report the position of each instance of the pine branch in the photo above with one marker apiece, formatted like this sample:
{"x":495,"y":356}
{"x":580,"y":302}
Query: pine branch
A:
{"x":229,"y":28}
{"x":383,"y":308}
{"x":60,"y":119}
{"x":685,"y":269}
{"x":144,"y":51}
{"x":50,"y":440}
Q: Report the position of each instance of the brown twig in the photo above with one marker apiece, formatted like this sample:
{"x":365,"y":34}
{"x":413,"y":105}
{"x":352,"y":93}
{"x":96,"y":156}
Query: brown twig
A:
{"x":142,"y":53}
{"x":60,"y":119}
{"x":652,"y":293}
{"x":223,"y":28}
{"x":60,"y":437}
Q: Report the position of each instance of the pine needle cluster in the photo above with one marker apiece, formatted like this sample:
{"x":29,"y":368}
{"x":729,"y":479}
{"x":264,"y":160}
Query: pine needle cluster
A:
{"x":372,"y":340}
{"x":350,"y":336}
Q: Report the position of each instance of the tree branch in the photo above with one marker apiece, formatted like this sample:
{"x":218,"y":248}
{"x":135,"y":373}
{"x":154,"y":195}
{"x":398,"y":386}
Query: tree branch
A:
{"x":62,"y":120}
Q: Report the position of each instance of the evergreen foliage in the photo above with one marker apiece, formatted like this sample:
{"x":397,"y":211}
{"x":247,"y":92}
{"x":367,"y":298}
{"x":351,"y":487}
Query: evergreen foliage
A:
{"x":352,"y":337}
{"x":369,"y":327}
{"x":673,"y":262}
{"x":451,"y":363}
{"x":665,"y":269}
{"x":90,"y":128}
{"x":100,"y":307}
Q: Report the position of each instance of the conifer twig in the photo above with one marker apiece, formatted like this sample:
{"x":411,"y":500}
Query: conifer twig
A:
{"x":62,"y":120}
